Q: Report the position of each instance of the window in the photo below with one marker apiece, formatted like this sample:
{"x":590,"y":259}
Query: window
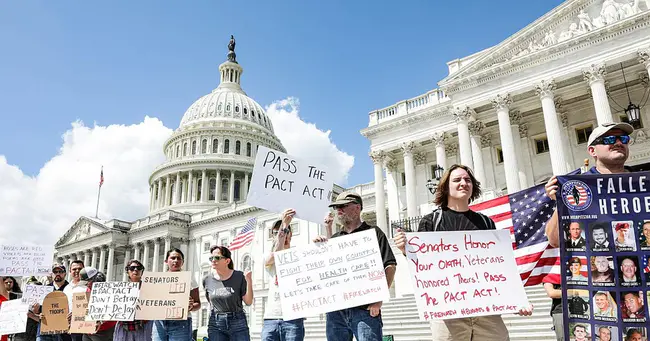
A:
{"x":226,"y":146}
{"x":204,"y":146}
{"x":295,"y":228}
{"x":185,"y":149}
{"x":626,"y":120}
{"x":237,"y":147}
{"x":204,"y":316}
{"x":178,"y":151}
{"x":224,"y":189}
{"x":403,"y":179}
{"x":237,"y":190}
{"x":499,"y":155}
{"x":541,"y":145}
{"x":245,"y":111}
{"x":215,"y":146}
{"x":228,"y":108}
{"x":223,"y":242}
{"x":199,"y":188}
{"x":206,"y":246}
{"x":219,"y":107}
{"x":236,"y":108}
{"x":193,"y":147}
{"x":246,"y":263}
{"x":582,"y":134}
{"x":213,"y":186}
{"x":248,"y":149}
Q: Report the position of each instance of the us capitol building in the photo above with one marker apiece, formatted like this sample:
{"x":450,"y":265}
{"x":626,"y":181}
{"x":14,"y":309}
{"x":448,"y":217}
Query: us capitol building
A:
{"x":517,"y":113}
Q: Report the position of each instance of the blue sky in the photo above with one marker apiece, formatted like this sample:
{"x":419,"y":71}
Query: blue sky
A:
{"x":115,"y":62}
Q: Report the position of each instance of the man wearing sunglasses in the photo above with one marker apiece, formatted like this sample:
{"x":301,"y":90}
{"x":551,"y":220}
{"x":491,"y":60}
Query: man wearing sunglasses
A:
{"x":608,"y":145}
{"x":59,"y":283}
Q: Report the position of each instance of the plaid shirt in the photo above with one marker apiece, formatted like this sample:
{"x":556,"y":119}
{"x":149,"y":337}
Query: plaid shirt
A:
{"x":132,"y":326}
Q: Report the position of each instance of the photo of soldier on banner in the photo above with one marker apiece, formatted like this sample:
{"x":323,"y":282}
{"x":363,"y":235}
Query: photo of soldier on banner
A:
{"x":577,"y":270}
{"x":644,"y":235}
{"x":602,"y":271}
{"x":628,"y":272}
{"x":600,"y":240}
{"x":578,"y":303}
{"x":575,"y":237}
{"x":624,"y":236}
{"x":605,"y":307}
{"x":605,"y":333}
{"x":635,"y":334}
{"x":580,"y":331}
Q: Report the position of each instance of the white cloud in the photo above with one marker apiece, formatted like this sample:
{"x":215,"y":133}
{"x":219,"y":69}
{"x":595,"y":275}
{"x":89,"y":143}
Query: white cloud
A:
{"x":305,"y":141}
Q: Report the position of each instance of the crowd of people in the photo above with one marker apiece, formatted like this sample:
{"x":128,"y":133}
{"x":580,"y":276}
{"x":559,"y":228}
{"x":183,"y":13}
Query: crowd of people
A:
{"x":227,"y":289}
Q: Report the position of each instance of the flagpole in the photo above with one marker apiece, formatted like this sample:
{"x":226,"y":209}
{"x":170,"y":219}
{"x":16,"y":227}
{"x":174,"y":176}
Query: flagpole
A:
{"x":99,"y":192}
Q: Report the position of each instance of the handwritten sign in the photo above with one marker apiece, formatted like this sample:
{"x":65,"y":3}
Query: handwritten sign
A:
{"x":35,"y":293}
{"x":113,"y":301}
{"x":13,"y":317}
{"x":164,"y":296}
{"x":17,"y":260}
{"x":341,"y":273}
{"x":55,"y":314}
{"x":78,"y":323}
{"x":280,"y":181}
{"x":464,"y":274}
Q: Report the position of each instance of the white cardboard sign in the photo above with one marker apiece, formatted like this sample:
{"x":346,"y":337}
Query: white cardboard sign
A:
{"x":341,"y":273}
{"x":36,"y":293}
{"x":113,"y":301}
{"x":13,"y":317}
{"x":280,"y":181}
{"x":464,"y":274}
{"x":25,"y":260}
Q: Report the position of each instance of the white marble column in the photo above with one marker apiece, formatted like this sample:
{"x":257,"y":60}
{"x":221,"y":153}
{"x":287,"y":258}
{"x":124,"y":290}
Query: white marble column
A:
{"x":378,"y":157}
{"x":160,"y":198}
{"x":595,"y":77}
{"x":102,"y":259}
{"x":464,"y":145}
{"x":553,"y":129}
{"x":168,"y":246}
{"x":111,"y":262}
{"x":177,"y":189}
{"x":475,"y":131}
{"x":190,"y":187}
{"x":217,"y":190}
{"x":183,"y":191}
{"x":204,"y":186}
{"x":502,"y":106}
{"x":521,"y":149}
{"x":231,"y":195}
{"x":94,"y":260}
{"x":145,"y":255}
{"x":245,"y":187}
{"x":86,"y":257}
{"x":136,"y":252}
{"x":438,"y":140}
{"x":391,"y":190}
{"x":152,"y":196}
{"x":156,"y":255}
{"x":168,"y":190}
{"x":409,"y":174}
{"x":127,"y":258}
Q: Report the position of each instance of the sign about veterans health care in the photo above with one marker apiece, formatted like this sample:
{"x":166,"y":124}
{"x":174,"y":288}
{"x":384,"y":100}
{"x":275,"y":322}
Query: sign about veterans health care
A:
{"x":464,"y":274}
{"x":341,"y":273}
{"x":23,"y":260}
{"x":113,"y":301}
{"x":164,"y":296}
{"x":604,"y":223}
{"x":280,"y":181}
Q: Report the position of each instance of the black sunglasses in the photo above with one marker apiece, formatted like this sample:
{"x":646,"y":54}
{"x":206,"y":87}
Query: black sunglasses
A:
{"x":58,"y":272}
{"x":216,"y":258}
{"x":134,"y":268}
{"x":611,"y":139}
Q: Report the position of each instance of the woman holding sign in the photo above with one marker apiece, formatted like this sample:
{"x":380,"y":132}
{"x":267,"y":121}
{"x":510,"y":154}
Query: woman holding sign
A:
{"x":225,"y":289}
{"x":133,"y":330}
{"x":458,"y":187}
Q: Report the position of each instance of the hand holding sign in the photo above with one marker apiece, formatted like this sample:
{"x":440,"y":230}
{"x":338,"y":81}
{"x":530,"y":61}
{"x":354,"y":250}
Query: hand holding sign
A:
{"x":54,"y":318}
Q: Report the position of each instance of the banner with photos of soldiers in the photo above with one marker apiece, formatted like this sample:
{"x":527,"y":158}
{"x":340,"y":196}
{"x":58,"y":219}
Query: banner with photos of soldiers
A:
{"x":604,"y":249}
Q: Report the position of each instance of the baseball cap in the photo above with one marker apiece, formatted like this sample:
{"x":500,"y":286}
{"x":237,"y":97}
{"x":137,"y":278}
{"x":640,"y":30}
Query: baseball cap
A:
{"x":87,"y":273}
{"x":622,"y":226}
{"x":603,"y":129}
{"x":347,"y":197}
{"x":58,"y":266}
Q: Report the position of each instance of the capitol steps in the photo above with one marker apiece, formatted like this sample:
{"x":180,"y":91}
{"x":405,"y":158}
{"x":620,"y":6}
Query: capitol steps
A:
{"x":400,"y":317}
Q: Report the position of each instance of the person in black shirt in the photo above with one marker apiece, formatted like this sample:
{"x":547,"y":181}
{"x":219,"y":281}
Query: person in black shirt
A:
{"x":457,"y":189}
{"x":363,"y":322}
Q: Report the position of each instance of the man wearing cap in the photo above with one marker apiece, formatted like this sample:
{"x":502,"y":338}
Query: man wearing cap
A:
{"x":608,"y":145}
{"x":363,"y":322}
{"x":59,"y":283}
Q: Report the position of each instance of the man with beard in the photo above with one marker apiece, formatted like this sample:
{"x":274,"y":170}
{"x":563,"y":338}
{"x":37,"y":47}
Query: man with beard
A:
{"x":59,"y":283}
{"x":603,"y":273}
{"x":600,"y":237}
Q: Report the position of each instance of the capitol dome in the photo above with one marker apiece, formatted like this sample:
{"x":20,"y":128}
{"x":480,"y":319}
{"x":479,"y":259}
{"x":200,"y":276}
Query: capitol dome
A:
{"x":210,"y":157}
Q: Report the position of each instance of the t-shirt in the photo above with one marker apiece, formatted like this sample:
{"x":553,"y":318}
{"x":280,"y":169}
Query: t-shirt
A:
{"x":3,"y":299}
{"x":225,"y":296}
{"x":273,"y":309}
{"x":72,"y":288}
{"x":456,"y":221}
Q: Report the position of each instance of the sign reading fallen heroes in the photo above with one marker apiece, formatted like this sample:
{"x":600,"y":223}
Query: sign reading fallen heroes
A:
{"x":341,"y":273}
{"x":55,"y":314}
{"x":164,"y":296}
{"x":35,"y":293}
{"x":13,"y":317}
{"x":21,"y":260}
{"x":280,"y":181}
{"x":113,"y":301}
{"x":464,"y":274}
{"x":78,"y":323}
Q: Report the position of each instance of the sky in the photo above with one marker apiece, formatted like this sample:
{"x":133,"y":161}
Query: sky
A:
{"x":84,"y":84}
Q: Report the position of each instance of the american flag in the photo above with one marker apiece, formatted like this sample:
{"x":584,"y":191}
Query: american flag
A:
{"x":101,"y":177}
{"x":245,"y":236}
{"x":525,"y":214}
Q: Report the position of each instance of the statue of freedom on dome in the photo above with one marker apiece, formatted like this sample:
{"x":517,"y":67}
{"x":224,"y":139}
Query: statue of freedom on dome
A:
{"x":232,"y":57}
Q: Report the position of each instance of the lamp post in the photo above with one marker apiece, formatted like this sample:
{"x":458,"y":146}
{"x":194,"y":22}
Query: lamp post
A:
{"x":632,"y":111}
{"x":437,"y":174}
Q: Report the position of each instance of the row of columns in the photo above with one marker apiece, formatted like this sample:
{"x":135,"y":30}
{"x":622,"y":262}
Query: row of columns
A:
{"x":183,"y":147}
{"x":470,"y":136}
{"x":182,"y":193}
{"x":99,"y":259}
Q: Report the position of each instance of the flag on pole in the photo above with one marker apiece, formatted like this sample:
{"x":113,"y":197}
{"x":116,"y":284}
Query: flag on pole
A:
{"x":245,"y":236}
{"x":525,"y":214}
{"x":101,"y":177}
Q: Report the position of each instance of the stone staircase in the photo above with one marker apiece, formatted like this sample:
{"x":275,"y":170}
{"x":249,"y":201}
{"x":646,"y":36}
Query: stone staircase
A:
{"x":400,"y":317}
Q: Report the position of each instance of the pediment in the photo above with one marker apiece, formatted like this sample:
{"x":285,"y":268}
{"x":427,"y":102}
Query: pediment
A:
{"x":569,"y":23}
{"x":83,"y":228}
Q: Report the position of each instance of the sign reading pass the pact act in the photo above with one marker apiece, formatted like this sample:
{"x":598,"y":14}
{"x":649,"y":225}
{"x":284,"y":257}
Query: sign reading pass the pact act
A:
{"x":280,"y":181}
{"x":24,"y":260}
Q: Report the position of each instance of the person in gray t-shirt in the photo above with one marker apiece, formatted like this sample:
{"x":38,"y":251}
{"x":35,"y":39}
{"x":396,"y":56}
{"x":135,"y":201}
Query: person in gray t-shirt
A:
{"x":225,"y":289}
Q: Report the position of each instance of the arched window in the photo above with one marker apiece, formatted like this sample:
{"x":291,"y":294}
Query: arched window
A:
{"x":245,"y":111}
{"x":199,"y":186}
{"x":226,"y":146}
{"x":236,"y":108}
{"x":215,"y":146}
{"x":228,"y":108}
{"x":224,"y":190}
{"x":237,"y":188}
{"x":213,"y":187}
{"x":246,"y":263}
{"x":248,"y":149}
{"x":193,"y":147}
{"x":204,"y":146}
{"x":185,"y":149}
{"x":253,"y":113}
{"x":178,"y":151}
{"x":219,"y":107}
{"x":237,"y":147}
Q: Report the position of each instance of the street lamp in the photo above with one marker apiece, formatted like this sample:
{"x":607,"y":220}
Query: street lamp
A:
{"x":632,"y":111}
{"x":437,"y":174}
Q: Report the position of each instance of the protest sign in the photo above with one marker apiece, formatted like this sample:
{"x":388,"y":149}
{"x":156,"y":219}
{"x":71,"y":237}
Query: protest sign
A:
{"x":604,"y":222}
{"x":164,"y":296}
{"x":35,"y":293}
{"x":341,"y":273}
{"x":113,"y":301}
{"x":55,"y":314}
{"x":464,"y":274}
{"x":13,"y":317}
{"x":280,"y":181}
{"x":21,"y":260}
{"x":78,"y":323}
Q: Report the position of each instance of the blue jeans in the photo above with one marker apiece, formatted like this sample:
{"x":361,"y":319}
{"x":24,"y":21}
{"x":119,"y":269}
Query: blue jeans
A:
{"x":280,"y":330}
{"x":342,"y":324}
{"x":228,"y":327}
{"x":53,"y":337}
{"x":172,"y":330}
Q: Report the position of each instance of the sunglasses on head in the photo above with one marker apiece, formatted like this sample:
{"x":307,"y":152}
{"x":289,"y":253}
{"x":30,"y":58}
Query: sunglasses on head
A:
{"x":216,"y":258}
{"x":134,"y":268}
{"x":611,"y":139}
